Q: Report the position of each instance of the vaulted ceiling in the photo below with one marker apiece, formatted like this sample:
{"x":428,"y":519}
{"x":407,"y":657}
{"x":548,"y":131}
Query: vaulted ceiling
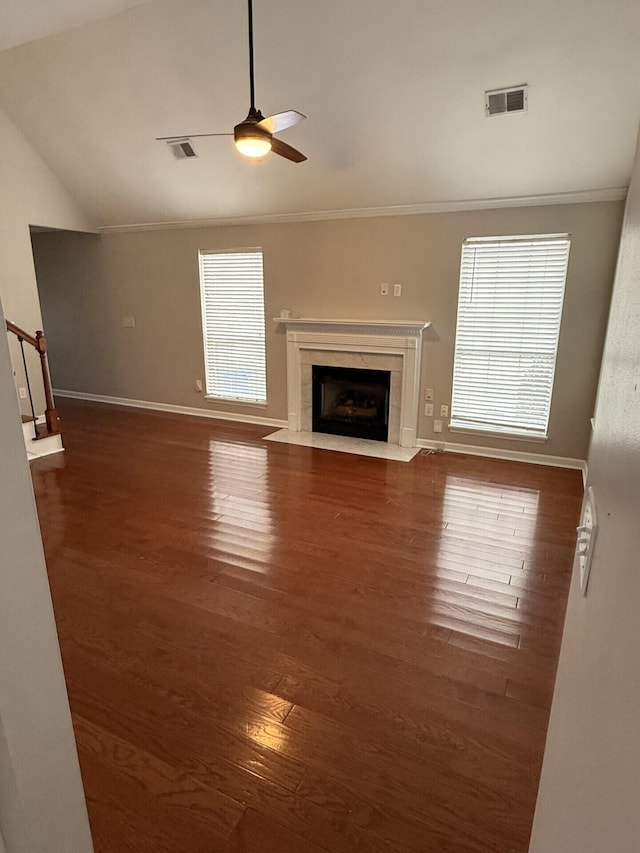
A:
{"x":393,"y":91}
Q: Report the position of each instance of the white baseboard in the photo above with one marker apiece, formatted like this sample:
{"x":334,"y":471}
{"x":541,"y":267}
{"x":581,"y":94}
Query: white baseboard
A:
{"x":447,"y":447}
{"x":508,"y":455}
{"x":168,"y":407}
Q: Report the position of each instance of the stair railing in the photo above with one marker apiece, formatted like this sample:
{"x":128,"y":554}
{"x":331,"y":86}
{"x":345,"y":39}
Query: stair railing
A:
{"x":39,"y":343}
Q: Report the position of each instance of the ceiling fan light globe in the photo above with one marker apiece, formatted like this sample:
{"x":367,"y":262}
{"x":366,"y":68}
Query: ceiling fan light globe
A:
{"x":253,"y":146}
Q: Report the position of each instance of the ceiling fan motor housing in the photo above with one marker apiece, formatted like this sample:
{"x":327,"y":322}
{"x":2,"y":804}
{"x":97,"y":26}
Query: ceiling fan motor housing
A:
{"x":249,"y":127}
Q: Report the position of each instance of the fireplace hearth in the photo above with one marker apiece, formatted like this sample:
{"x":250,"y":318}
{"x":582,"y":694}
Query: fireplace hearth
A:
{"x":351,"y":401}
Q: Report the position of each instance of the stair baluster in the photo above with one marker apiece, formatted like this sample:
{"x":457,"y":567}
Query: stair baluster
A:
{"x":26,"y":373}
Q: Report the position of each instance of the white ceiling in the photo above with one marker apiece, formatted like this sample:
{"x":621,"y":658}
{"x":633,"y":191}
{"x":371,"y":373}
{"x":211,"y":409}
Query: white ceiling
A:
{"x":393,"y":91}
{"x":27,"y":20}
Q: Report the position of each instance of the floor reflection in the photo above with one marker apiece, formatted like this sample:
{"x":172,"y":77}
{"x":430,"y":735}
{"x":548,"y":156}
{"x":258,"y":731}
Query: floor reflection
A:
{"x":272,"y":735}
{"x":486,"y":544}
{"x":240,"y":504}
{"x":45,"y":473}
{"x":495,"y":518}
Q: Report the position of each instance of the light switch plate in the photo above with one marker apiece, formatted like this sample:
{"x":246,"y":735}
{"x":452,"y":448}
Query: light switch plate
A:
{"x":587,"y":531}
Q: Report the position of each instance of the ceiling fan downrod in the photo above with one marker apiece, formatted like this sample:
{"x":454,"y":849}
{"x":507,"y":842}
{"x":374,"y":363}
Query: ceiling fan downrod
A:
{"x":252,"y":92}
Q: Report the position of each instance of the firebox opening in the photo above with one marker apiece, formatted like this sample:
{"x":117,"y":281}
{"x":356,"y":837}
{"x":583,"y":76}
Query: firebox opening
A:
{"x":351,"y":401}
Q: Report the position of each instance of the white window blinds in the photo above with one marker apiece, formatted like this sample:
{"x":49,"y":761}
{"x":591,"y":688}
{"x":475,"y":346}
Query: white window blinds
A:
{"x":509,"y":311}
{"x":232,"y":291}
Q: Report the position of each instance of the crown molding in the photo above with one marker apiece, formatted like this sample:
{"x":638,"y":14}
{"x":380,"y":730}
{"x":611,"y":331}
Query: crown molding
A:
{"x":611,"y":194}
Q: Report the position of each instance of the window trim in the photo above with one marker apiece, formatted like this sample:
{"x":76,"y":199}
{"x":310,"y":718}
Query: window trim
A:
{"x":509,"y":432}
{"x":226,"y":398}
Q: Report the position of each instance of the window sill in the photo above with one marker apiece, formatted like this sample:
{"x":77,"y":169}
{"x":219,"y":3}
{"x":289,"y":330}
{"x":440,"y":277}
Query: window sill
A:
{"x":238,"y":400}
{"x":497,"y":433}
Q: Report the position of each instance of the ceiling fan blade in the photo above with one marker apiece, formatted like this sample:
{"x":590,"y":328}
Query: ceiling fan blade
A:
{"x":284,"y":150}
{"x":281,"y":121}
{"x":189,"y":136}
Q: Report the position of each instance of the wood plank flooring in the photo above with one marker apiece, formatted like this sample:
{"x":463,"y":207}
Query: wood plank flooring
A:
{"x":276,"y":649}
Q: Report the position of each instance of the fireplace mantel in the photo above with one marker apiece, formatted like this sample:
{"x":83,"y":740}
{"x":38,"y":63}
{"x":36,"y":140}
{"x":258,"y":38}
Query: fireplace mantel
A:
{"x":408,"y":328}
{"x":359,"y":343}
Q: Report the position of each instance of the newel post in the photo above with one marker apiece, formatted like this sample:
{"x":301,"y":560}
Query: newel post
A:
{"x":50,"y":412}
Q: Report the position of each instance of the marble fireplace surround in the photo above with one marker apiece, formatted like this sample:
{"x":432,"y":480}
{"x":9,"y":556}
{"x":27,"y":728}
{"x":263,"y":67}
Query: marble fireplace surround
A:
{"x":371,"y":344}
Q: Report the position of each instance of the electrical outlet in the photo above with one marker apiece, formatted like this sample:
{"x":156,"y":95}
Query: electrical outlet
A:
{"x":437,"y":426}
{"x":444,"y":411}
{"x":397,"y":290}
{"x":428,"y":409}
{"x":428,"y":395}
{"x":198,"y":384}
{"x":129,"y":322}
{"x":23,"y":393}
{"x":384,"y":289}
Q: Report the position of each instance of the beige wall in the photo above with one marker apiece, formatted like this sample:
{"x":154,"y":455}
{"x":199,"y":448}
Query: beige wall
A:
{"x":42,"y":807}
{"x":317,"y":269}
{"x":590,"y":787}
{"x":29,"y":195}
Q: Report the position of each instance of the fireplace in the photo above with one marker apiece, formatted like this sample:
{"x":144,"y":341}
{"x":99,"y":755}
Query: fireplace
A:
{"x":390,"y":346}
{"x":351,"y":401}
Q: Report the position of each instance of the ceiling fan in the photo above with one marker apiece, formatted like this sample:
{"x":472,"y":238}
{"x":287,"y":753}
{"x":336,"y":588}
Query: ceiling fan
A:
{"x":254,"y":137}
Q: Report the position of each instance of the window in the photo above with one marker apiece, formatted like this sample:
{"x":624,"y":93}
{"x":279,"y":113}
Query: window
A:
{"x":232,"y":292}
{"x":509,"y":310}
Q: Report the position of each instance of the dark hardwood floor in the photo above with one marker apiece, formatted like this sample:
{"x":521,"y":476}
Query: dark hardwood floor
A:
{"x":276,"y":649}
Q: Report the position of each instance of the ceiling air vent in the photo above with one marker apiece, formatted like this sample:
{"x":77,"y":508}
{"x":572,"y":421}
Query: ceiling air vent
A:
{"x":181,"y":148}
{"x":501,"y":101}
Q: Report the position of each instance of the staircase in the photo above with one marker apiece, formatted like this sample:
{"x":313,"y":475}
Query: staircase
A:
{"x":42,"y":435}
{"x":38,"y":440}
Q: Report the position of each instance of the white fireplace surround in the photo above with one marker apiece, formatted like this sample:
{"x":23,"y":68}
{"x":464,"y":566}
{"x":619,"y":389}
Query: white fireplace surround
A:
{"x":370,"y":344}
